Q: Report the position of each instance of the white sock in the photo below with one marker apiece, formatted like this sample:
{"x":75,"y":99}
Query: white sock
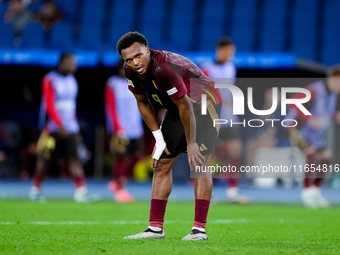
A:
{"x":35,"y":189}
{"x":155,"y":228}
{"x":82,"y":189}
{"x":199,"y":229}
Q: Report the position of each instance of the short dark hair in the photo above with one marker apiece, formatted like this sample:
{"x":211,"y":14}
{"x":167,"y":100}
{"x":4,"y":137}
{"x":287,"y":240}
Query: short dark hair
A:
{"x":64,"y":55}
{"x":333,"y":71}
{"x":224,"y":41}
{"x":130,"y":38}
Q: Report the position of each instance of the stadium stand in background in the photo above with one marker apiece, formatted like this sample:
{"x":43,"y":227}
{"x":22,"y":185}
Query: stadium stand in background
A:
{"x":303,"y":27}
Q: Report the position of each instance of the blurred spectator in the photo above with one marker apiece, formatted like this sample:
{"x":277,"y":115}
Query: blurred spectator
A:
{"x":310,"y":134}
{"x":125,"y":124}
{"x":48,"y":16}
{"x":19,"y":16}
{"x":229,"y":146}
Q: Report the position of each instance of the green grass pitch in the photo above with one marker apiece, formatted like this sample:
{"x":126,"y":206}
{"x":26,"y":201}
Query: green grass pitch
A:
{"x":65,"y":227}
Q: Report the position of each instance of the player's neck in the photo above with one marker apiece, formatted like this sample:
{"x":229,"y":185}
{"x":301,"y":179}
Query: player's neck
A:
{"x":63,"y":72}
{"x":220,"y":62}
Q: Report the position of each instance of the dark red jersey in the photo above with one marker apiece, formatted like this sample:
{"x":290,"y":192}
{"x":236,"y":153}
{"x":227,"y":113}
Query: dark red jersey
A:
{"x":169,"y":77}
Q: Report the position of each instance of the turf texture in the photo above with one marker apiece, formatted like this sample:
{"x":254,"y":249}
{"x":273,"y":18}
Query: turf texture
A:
{"x":65,"y":227}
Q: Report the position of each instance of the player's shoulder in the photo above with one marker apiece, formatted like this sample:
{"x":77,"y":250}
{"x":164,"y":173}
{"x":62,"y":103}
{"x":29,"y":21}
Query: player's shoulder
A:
{"x":166,"y":57}
{"x":112,"y":79}
{"x":51,"y":75}
{"x":208,"y":65}
{"x":115,"y":79}
{"x":317,"y":86}
{"x":73,"y":78}
{"x":159,"y":55}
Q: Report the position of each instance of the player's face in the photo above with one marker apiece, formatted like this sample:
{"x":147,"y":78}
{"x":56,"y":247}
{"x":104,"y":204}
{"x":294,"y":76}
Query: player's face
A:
{"x":137,"y":57}
{"x":69,"y":65}
{"x":224,"y":53}
{"x":333,"y":83}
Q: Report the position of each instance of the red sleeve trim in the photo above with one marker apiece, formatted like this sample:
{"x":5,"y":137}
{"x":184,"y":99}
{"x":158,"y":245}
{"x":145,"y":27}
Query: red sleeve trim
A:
{"x":49,"y":100}
{"x":111,"y":108}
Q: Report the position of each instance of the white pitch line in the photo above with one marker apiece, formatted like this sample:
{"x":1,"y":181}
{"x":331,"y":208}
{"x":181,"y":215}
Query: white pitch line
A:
{"x":123,"y":222}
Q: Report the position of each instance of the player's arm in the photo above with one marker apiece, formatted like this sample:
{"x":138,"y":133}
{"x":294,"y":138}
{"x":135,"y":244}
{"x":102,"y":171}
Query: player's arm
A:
{"x":187,"y":116}
{"x":308,"y":105}
{"x":119,"y":140}
{"x":149,"y":117}
{"x":111,"y":110}
{"x":49,"y":101}
{"x":147,"y":111}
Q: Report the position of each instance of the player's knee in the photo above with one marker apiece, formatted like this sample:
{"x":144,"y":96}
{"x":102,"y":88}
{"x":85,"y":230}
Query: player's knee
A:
{"x":309,"y":150}
{"x":326,"y":155}
{"x":163,"y":167}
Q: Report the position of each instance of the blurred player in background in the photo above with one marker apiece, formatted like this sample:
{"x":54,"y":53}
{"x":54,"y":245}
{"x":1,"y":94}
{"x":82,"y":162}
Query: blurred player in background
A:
{"x":310,"y":134}
{"x":125,"y":125}
{"x":270,"y":135}
{"x":58,"y":141}
{"x":229,"y":147}
{"x":164,"y":78}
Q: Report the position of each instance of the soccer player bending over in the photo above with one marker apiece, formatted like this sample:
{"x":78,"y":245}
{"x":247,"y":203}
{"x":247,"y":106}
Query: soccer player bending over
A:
{"x":161,"y":77}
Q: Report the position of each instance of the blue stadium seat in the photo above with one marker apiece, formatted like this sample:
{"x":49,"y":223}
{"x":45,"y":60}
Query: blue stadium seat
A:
{"x":121,"y":21}
{"x":92,"y":24}
{"x":3,"y":8}
{"x":152,"y":22}
{"x":243,"y":24}
{"x":33,"y":36}
{"x":273,"y":28}
{"x":68,"y":8}
{"x":213,"y":21}
{"x":90,"y":37}
{"x":304,"y":29}
{"x":7,"y":38}
{"x":6,"y":30}
{"x":93,"y":11}
{"x":331,"y":29}
{"x":182,"y":22}
{"x":61,"y":36}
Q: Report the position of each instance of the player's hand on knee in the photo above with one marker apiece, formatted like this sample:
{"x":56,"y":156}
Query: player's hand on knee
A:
{"x":159,"y":148}
{"x":155,"y":159}
{"x":195,"y":157}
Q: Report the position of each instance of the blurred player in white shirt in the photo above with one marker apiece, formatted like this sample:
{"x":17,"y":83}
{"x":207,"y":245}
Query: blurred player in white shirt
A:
{"x":229,"y":141}
{"x":125,"y":125}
